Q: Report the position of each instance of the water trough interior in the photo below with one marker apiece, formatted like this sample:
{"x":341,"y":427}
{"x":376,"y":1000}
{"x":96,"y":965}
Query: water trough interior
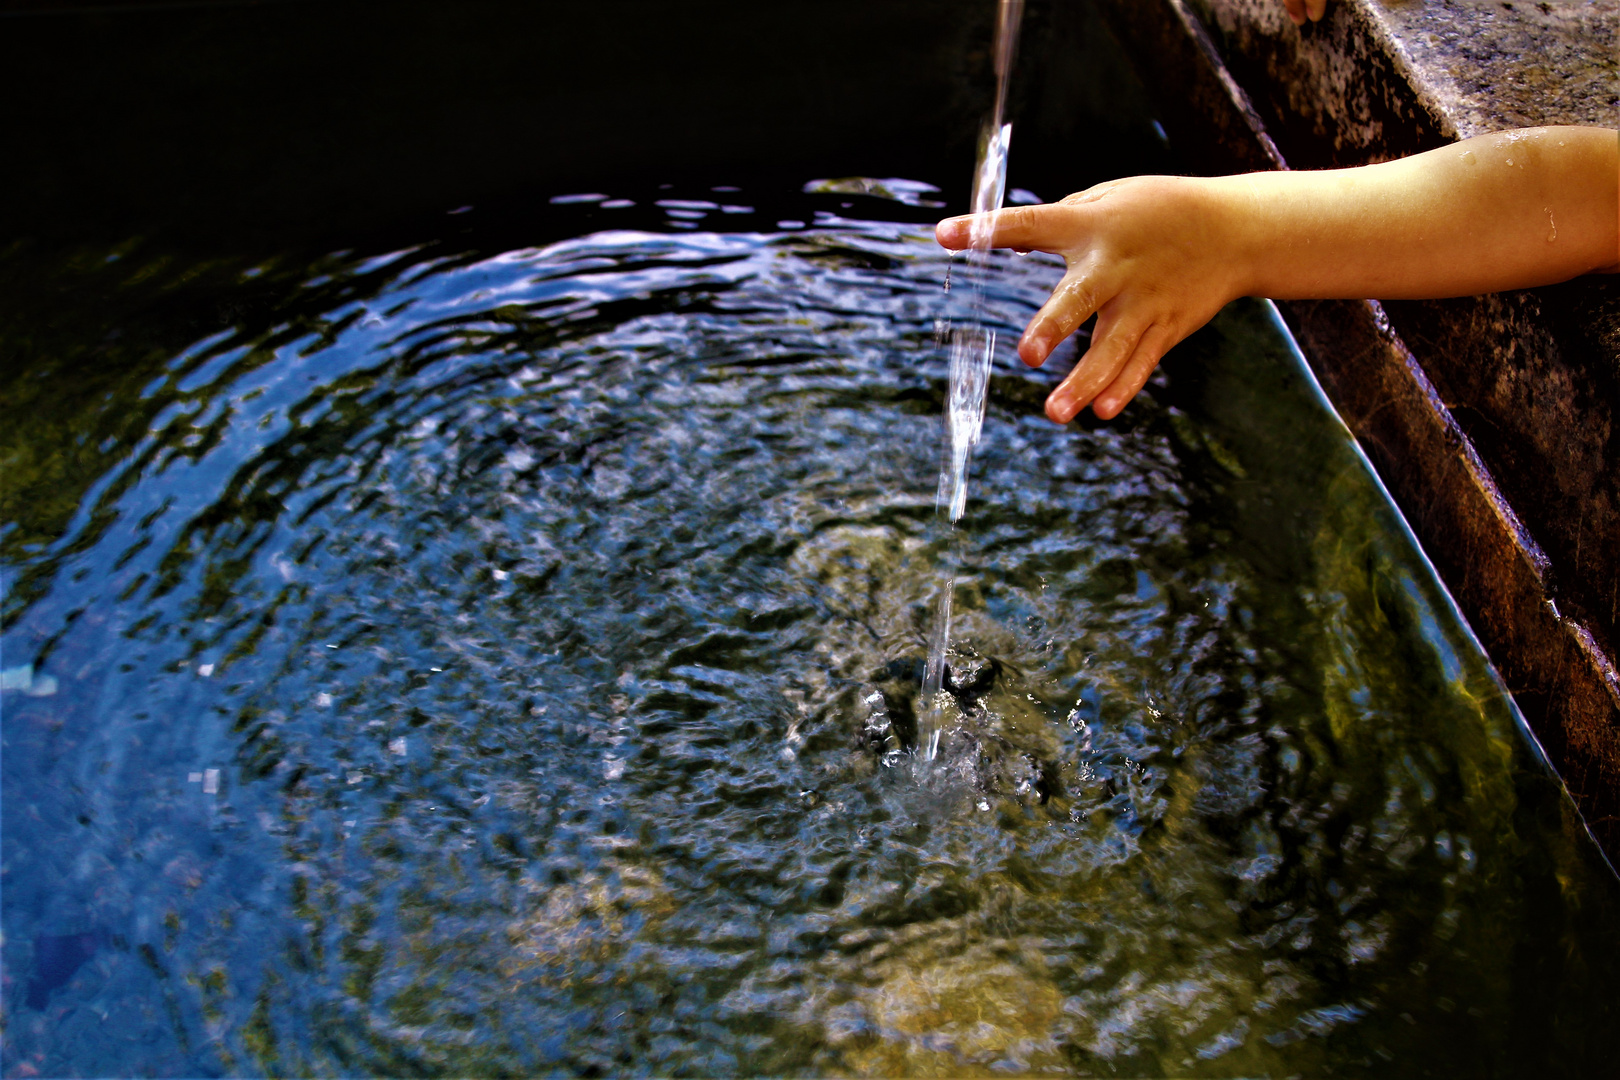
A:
{"x":457,"y":627}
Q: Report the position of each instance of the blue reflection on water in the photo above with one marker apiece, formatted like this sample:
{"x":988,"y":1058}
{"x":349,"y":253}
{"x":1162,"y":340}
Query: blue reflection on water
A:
{"x":496,"y":662}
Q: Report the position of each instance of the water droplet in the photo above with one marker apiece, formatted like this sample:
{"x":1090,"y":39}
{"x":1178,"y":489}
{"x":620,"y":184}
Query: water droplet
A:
{"x":1552,"y":226}
{"x":1510,"y":161}
{"x":1468,"y":157}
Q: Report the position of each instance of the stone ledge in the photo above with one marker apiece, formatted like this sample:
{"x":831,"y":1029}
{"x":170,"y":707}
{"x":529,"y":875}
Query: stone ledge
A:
{"x":1498,"y":430}
{"x":1384,"y":78}
{"x":1487,"y":65}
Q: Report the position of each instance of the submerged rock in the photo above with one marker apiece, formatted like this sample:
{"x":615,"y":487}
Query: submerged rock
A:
{"x":971,"y":1015}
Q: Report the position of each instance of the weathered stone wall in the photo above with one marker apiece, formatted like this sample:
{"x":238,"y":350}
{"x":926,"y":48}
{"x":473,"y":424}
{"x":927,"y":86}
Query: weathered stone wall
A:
{"x":1494,"y":421}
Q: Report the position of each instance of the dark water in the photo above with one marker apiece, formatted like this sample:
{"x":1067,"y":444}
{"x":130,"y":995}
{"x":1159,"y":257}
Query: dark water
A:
{"x":497,"y":661}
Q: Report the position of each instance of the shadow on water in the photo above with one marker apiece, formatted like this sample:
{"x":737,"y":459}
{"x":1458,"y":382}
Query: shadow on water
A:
{"x":491,"y":646}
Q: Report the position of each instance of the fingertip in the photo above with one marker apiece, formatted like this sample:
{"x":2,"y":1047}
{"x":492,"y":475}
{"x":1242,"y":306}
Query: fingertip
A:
{"x":1033,"y":349}
{"x":1107,"y":408}
{"x":1060,"y":409}
{"x":951,"y":232}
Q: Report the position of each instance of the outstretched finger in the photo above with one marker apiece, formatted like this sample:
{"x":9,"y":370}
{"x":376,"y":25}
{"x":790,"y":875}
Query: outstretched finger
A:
{"x":1111,"y":346}
{"x":1296,"y":11}
{"x":1315,"y":9}
{"x":1155,"y":342}
{"x":1073,"y":302}
{"x":1030,"y":228}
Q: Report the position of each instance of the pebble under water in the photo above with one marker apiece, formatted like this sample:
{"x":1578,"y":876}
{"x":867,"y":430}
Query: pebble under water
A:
{"x":472,"y":663}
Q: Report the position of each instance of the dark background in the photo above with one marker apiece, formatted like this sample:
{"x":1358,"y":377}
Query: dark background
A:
{"x":233,"y":126}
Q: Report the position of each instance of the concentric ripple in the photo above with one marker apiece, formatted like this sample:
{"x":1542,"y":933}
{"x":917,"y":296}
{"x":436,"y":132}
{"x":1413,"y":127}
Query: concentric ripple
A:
{"x":504,"y":664}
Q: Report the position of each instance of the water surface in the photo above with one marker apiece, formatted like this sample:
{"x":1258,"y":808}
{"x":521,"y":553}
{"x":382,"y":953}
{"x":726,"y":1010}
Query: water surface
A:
{"x":503,"y":659}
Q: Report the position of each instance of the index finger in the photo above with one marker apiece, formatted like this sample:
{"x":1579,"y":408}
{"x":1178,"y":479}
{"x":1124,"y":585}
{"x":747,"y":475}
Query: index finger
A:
{"x":1028,"y":228}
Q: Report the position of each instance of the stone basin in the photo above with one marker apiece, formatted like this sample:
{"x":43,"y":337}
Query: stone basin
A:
{"x":1491,"y":419}
{"x":334,"y":850}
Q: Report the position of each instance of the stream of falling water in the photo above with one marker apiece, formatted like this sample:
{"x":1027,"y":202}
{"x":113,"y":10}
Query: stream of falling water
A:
{"x":972,"y":350}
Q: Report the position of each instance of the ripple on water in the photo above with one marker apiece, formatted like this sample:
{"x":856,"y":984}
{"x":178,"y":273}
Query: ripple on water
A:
{"x":550,"y":625}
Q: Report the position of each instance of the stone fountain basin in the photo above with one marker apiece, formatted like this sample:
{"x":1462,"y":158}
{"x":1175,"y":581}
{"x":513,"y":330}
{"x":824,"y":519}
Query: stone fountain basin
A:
{"x":1491,"y":419}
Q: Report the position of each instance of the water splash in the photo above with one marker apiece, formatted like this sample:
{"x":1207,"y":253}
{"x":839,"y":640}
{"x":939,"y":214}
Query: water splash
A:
{"x":972,"y":350}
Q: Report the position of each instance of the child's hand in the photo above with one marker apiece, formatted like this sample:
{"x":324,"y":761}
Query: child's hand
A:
{"x":1146,"y":255}
{"x":1155,"y":257}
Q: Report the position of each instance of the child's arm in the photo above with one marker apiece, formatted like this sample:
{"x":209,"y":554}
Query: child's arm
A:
{"x":1155,"y":257}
